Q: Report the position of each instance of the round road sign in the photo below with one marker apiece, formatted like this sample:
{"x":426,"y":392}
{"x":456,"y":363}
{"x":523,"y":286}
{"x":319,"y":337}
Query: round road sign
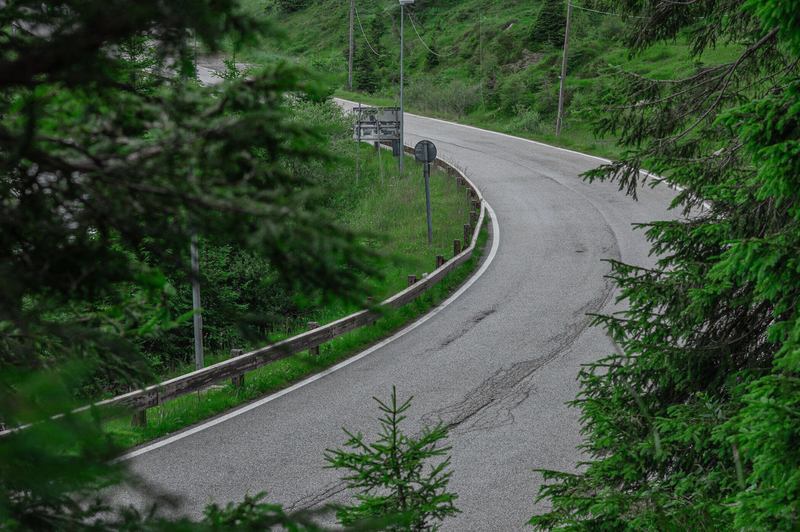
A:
{"x":425,"y":151}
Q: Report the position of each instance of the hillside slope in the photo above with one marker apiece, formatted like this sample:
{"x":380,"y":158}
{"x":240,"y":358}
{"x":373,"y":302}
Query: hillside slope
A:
{"x":496,"y":65}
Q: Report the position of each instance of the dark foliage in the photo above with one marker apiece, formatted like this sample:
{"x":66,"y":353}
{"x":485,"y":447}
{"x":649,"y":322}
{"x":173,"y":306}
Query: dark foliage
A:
{"x":694,"y":424}
{"x":107,"y":168}
{"x":550,"y":23}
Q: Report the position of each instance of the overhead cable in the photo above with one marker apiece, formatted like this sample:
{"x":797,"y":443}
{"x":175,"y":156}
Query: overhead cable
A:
{"x":364,"y":34}
{"x":425,"y":45}
{"x":603,"y":12}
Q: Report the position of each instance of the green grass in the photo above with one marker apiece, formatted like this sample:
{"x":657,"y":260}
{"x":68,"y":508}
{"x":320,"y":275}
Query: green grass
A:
{"x":394,"y":208}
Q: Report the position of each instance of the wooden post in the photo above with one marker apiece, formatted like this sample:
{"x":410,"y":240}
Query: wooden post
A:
{"x":474,"y":205}
{"x":473,"y":217}
{"x":314,"y":351}
{"x":467,"y":227}
{"x":456,"y":247}
{"x":138,"y":419}
{"x":238,"y":380}
{"x":439,"y":261}
{"x":370,"y":302}
{"x":560,"y":115}
{"x":412,"y":279}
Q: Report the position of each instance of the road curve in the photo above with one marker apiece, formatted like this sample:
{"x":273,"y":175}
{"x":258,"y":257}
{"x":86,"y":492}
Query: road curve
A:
{"x":497,"y":364}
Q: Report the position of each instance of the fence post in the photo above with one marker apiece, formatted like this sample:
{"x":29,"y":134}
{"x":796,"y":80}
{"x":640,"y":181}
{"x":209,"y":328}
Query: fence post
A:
{"x":467,"y":227}
{"x":138,"y":419}
{"x":314,"y":351}
{"x":456,"y":247}
{"x":473,"y":217}
{"x":439,"y":261}
{"x":412,"y":279}
{"x":238,"y":380}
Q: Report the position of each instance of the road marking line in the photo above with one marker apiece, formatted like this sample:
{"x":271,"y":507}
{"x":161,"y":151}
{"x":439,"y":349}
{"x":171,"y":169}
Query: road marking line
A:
{"x":260,"y":402}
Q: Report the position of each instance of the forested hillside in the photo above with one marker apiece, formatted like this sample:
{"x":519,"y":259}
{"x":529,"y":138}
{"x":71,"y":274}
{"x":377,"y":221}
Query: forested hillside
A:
{"x":494,"y":64}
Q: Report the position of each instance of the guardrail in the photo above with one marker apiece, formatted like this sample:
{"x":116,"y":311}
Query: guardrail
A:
{"x":234,"y":368}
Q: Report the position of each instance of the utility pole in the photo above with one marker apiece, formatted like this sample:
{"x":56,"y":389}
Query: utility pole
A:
{"x":560,"y":119}
{"x":352,"y":44}
{"x":402,"y":110}
{"x":195,"y":262}
{"x":481,"y":57}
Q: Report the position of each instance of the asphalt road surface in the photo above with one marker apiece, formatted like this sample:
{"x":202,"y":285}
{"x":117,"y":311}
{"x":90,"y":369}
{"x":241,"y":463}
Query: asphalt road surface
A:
{"x":497,"y":364}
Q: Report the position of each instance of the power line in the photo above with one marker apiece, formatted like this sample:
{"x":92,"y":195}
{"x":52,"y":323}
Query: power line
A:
{"x":603,"y":12}
{"x":364,"y":34}
{"x":425,"y":45}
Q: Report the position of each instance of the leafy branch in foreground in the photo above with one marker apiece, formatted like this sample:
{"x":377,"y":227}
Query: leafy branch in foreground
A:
{"x":390,"y":476}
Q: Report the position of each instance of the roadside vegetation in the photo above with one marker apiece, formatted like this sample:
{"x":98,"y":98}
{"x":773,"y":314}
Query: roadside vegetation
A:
{"x":108,"y":169}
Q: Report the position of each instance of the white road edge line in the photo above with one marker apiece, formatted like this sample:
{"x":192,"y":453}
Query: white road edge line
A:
{"x":251,"y":406}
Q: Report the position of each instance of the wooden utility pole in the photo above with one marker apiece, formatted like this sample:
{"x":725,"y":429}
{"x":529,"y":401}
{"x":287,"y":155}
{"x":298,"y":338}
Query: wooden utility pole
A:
{"x":352,"y":44}
{"x":560,"y":119}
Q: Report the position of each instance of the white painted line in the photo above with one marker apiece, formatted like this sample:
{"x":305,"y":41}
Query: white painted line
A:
{"x":261,"y":402}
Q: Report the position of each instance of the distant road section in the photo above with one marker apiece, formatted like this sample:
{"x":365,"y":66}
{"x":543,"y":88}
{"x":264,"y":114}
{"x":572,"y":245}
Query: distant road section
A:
{"x":497,"y":364}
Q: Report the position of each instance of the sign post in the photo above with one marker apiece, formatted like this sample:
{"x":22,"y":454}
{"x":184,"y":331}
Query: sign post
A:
{"x":425,"y":152}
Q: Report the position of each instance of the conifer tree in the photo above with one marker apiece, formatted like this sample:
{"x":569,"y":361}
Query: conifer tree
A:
{"x":550,"y":23}
{"x":390,"y":475}
{"x":694,"y":424}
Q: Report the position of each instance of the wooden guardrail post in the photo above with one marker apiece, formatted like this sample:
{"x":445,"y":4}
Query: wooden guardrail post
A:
{"x":412,"y":279}
{"x":456,"y":247}
{"x":439,"y":261}
{"x":314,"y":351}
{"x":370,"y":302}
{"x":467,"y":228}
{"x":238,"y":380}
{"x":138,"y":419}
{"x":473,"y":217}
{"x":473,"y":205}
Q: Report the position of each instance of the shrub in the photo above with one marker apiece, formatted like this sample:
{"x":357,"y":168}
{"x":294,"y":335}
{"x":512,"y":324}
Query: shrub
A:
{"x":390,"y":474}
{"x":527,"y":120}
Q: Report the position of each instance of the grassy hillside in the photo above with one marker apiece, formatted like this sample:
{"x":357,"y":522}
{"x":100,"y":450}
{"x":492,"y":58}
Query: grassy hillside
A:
{"x":499,"y":63}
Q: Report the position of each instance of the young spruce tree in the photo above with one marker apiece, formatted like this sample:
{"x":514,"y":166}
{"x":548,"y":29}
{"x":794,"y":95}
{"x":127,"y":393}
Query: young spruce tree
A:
{"x":390,"y":475}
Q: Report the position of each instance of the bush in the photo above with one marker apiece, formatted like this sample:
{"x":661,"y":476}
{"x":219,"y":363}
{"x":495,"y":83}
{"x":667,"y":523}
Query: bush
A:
{"x":455,"y":99}
{"x":290,"y":6}
{"x":527,"y":120}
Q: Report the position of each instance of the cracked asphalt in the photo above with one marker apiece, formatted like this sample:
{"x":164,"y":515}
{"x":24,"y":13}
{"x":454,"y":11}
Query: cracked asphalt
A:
{"x":498,"y":364}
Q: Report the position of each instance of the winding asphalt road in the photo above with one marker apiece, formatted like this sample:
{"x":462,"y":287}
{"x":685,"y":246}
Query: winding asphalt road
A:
{"x":498,"y":363}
